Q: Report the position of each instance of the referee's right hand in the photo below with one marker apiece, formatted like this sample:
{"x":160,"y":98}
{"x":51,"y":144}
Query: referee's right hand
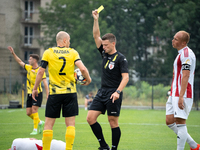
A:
{"x":95,"y":14}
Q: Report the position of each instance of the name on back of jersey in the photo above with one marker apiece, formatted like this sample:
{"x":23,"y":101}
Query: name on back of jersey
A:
{"x":61,"y":51}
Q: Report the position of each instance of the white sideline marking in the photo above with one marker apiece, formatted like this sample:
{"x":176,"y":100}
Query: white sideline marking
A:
{"x":9,"y":111}
{"x":136,"y":124}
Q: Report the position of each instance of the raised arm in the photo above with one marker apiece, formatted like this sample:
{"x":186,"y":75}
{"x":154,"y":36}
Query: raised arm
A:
{"x":17,"y":59}
{"x":96,"y":30}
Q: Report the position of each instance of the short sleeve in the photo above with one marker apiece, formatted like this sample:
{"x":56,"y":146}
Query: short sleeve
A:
{"x":45,"y":56}
{"x":123,"y":65}
{"x":44,"y":76}
{"x":101,"y":50}
{"x":27,"y":67}
{"x":76,"y":56}
{"x":186,"y":57}
{"x":186,"y":60}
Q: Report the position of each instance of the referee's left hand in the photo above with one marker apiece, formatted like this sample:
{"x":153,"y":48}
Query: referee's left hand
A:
{"x":34,"y":93}
{"x":114,"y":96}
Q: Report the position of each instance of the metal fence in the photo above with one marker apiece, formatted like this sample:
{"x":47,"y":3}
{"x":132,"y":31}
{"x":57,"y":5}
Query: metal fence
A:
{"x":151,"y":92}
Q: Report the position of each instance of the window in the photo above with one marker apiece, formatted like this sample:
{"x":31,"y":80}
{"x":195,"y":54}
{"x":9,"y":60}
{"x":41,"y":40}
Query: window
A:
{"x":26,"y":55}
{"x":28,"y":9}
{"x":28,"y":35}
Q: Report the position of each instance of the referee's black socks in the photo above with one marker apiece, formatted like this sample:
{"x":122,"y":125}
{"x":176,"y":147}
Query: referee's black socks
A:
{"x":116,"y":134}
{"x":97,"y":130}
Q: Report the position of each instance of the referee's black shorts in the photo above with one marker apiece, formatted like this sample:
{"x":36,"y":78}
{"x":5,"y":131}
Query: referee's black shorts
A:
{"x":68,"y":103}
{"x":31,"y":102}
{"x":102,"y":102}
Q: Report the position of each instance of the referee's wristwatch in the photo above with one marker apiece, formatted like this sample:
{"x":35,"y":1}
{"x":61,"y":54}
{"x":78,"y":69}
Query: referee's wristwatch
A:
{"x":118,"y":91}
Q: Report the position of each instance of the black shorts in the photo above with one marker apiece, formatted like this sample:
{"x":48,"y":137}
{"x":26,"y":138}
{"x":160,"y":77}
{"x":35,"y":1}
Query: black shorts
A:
{"x":102,"y":102}
{"x":68,"y":103}
{"x":30,"y":102}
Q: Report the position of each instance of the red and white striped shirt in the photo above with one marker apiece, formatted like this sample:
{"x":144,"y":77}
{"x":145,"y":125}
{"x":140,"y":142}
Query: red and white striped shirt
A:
{"x":185,"y":56}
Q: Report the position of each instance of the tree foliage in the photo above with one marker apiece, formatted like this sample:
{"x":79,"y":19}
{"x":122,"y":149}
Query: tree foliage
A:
{"x":137,"y":24}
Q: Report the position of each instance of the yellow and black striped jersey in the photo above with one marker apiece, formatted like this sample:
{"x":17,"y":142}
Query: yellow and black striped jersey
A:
{"x":31,"y":76}
{"x":61,"y":64}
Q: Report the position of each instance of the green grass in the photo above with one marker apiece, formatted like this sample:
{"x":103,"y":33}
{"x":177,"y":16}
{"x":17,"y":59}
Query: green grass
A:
{"x":141,"y":129}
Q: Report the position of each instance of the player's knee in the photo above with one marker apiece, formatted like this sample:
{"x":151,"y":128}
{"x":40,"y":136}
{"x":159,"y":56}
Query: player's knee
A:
{"x":169,"y":121}
{"x":28,"y":113}
{"x":90,"y":120}
{"x":113,"y":123}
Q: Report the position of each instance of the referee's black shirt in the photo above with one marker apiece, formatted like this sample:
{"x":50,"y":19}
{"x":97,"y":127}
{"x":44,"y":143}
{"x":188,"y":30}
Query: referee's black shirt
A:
{"x":112,"y":67}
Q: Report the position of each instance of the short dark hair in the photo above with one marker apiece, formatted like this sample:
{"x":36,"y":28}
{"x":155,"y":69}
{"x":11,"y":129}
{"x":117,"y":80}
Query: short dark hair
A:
{"x":35,"y":56}
{"x":109,"y":36}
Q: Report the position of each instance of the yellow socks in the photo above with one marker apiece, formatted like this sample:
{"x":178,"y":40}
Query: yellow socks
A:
{"x":31,"y":116}
{"x":69,"y":137}
{"x":36,"y":120}
{"x":47,"y":138}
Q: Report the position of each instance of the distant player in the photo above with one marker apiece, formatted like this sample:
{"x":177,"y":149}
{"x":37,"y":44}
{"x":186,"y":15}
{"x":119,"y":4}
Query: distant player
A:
{"x":34,"y":144}
{"x":88,"y":100}
{"x":113,"y":80}
{"x":61,"y":61}
{"x":31,"y":105}
{"x":180,"y":101}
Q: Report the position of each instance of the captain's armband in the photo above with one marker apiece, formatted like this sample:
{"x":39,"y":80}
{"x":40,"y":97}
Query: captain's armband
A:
{"x":186,"y":67}
{"x":44,"y":64}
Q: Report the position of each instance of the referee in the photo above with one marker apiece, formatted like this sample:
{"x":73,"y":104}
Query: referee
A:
{"x":113,"y":80}
{"x":61,"y":61}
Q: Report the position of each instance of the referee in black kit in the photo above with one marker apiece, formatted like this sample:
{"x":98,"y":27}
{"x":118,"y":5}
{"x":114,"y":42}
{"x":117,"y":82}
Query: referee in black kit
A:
{"x":113,"y":80}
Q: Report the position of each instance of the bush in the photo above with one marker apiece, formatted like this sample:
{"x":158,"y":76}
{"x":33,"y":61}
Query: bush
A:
{"x":16,"y":87}
{"x":143,"y":91}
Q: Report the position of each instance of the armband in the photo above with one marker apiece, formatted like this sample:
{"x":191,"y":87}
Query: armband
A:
{"x":44,"y":64}
{"x":185,"y":67}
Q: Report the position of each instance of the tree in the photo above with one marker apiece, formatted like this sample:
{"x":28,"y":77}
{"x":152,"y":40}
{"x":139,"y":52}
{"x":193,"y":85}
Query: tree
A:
{"x":175,"y":16}
{"x":75,"y":18}
{"x":136,"y":23}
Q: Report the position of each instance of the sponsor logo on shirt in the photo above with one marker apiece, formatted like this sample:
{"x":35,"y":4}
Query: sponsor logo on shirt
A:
{"x":187,"y":61}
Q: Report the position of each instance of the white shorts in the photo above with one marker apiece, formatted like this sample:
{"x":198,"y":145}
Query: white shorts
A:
{"x":173,"y":109}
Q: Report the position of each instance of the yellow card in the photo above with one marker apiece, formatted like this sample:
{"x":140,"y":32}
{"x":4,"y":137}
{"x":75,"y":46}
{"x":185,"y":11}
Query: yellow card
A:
{"x":100,"y":9}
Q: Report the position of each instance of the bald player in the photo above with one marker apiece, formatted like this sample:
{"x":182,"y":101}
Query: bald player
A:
{"x":61,"y":61}
{"x":180,"y":101}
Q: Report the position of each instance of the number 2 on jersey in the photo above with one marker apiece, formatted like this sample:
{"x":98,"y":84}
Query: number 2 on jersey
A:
{"x":63,"y":66}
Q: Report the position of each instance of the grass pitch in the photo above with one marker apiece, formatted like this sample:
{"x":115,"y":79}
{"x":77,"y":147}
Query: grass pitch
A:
{"x":141,"y":129}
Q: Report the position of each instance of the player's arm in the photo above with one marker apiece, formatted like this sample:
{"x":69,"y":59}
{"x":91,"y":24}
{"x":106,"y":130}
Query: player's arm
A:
{"x":184,"y":83}
{"x":37,"y":82}
{"x":84,"y":71}
{"x":44,"y":80}
{"x":123,"y":83}
{"x":96,"y":30}
{"x":17,"y":59}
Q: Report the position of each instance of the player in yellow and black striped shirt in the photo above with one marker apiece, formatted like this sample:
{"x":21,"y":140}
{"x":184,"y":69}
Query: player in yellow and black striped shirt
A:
{"x":61,"y":61}
{"x":31,"y":105}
